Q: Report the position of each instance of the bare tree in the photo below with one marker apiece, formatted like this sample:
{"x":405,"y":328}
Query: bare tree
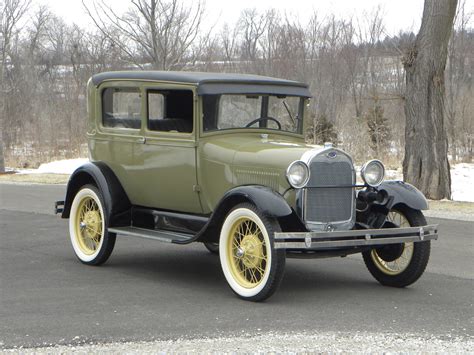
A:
{"x":252,"y":26}
{"x":11,"y":13}
{"x":426,"y":146}
{"x":159,"y":31}
{"x":459,"y":91}
{"x":229,"y":40}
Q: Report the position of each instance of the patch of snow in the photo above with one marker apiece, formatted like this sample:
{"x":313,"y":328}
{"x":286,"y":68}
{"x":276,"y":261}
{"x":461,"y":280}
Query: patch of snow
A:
{"x":462,"y":182}
{"x":66,"y":166}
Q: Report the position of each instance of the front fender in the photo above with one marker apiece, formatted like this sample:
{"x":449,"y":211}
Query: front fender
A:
{"x":117,"y":204}
{"x":403,"y":193}
{"x":269,"y":202}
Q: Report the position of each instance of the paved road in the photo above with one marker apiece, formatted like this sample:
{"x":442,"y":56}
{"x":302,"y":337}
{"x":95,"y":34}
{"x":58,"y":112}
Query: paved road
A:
{"x":150,"y":290}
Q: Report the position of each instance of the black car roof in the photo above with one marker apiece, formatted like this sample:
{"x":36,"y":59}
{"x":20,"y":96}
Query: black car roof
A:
{"x":213,"y":83}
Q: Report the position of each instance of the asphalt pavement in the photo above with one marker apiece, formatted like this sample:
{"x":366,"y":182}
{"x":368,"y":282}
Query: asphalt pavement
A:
{"x":154,"y":291}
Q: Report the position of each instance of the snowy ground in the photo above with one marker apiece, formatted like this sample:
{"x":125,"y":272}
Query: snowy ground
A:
{"x":56,"y":167}
{"x":462,"y":184}
{"x":462,"y":175}
{"x":462,"y":181}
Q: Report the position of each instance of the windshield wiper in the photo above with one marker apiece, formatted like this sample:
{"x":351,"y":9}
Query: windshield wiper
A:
{"x":289,"y":112}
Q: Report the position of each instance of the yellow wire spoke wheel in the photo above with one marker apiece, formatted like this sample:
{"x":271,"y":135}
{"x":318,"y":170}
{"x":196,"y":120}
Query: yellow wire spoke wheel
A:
{"x":246,"y":250}
{"x":89,"y":225}
{"x":396,"y":266}
{"x":400,"y":263}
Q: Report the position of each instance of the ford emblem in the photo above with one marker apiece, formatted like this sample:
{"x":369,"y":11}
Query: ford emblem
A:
{"x":332,"y":155}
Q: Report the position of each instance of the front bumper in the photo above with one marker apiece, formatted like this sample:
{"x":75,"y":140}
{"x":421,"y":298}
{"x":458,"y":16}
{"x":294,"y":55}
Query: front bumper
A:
{"x":354,"y":238}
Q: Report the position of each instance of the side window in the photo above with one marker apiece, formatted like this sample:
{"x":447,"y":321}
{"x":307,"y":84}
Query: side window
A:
{"x":170,"y":110}
{"x":121,"y":108}
{"x":156,"y":107}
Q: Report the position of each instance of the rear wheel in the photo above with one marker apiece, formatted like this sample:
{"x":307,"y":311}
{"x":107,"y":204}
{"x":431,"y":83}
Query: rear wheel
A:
{"x":399,"y":265}
{"x":88,"y":224}
{"x":252,"y":266}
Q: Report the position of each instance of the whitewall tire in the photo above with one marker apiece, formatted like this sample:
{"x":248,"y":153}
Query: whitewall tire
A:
{"x":251,"y":265}
{"x":88,"y":224}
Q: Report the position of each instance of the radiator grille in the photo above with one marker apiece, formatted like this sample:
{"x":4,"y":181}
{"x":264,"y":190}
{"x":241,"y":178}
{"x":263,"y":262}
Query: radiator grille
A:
{"x":335,"y":204}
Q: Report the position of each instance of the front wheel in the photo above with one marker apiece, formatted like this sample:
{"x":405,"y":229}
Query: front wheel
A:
{"x":399,"y":265}
{"x":88,"y":224}
{"x":252,"y":266}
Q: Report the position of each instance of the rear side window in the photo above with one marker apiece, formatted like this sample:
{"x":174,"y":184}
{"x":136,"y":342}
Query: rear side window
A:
{"x":121,"y":108}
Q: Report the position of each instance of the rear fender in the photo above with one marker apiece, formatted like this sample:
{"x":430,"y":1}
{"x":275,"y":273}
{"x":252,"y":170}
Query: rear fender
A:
{"x":117,"y":205}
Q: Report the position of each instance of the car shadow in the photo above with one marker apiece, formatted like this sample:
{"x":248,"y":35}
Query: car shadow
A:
{"x":184,"y":266}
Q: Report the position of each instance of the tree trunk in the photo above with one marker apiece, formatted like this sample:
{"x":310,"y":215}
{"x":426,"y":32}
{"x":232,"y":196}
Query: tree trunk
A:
{"x":426,"y":145}
{"x":2,"y":113}
{"x":2,"y":159}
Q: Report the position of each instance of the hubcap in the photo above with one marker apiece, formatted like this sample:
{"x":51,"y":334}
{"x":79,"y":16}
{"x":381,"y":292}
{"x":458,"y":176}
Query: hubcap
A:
{"x":252,"y":251}
{"x":89,"y":225}
{"x":393,"y":260}
{"x":247,"y":253}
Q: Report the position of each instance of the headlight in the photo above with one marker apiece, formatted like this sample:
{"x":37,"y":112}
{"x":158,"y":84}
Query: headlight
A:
{"x":373,"y":172}
{"x":297,"y":174}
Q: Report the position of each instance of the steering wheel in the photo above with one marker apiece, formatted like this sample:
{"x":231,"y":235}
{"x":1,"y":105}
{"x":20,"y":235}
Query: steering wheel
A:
{"x":264,"y":119}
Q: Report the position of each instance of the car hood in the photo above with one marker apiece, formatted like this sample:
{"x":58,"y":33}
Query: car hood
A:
{"x":256,"y":150}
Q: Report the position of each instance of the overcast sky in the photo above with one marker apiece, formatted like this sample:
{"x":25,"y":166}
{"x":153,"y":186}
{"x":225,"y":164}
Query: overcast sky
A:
{"x":398,"y":14}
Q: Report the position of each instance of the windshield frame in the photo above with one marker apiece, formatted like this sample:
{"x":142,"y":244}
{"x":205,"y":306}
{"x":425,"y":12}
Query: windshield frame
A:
{"x":264,"y":99}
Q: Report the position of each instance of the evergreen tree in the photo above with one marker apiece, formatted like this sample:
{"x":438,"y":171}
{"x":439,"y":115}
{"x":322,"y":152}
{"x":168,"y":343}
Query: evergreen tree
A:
{"x":322,"y":131}
{"x":379,"y":130}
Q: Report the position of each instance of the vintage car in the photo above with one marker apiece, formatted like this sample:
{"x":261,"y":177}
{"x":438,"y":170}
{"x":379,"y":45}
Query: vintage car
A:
{"x":221,"y":159}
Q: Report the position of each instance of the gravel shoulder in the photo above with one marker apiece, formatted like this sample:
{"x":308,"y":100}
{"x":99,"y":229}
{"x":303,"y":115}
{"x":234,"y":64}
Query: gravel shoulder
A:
{"x":463,"y":211}
{"x":356,"y":342}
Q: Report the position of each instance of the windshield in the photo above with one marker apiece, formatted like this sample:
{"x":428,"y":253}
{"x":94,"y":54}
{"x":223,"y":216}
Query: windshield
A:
{"x":253,"y":111}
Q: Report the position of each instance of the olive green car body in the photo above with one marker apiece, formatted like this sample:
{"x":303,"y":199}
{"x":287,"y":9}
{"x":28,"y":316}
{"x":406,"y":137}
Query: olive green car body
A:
{"x":176,"y":157}
{"x":188,"y":172}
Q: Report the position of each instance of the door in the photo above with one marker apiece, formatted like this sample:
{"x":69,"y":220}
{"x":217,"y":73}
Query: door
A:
{"x":166,"y":160}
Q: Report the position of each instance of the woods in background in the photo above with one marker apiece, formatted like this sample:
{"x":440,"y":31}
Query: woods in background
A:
{"x":354,"y":69}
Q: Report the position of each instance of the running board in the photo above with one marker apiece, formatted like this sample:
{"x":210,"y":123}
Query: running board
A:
{"x":159,"y":235}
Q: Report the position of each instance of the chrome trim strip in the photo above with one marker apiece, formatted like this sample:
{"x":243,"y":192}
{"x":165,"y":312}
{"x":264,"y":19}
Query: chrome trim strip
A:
{"x":159,"y":235}
{"x":364,"y":237}
{"x":310,"y":154}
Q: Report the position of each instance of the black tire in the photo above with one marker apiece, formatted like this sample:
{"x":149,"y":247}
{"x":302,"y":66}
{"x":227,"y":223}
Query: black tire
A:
{"x":256,"y":249}
{"x":415,"y":266}
{"x":91,"y":241}
{"x":212,"y":247}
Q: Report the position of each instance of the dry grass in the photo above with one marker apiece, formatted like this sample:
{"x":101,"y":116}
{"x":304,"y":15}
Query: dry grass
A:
{"x":452,"y":206}
{"x":35,"y":178}
{"x":30,"y":157}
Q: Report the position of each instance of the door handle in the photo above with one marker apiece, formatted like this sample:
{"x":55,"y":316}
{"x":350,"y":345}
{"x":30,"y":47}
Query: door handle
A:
{"x":142,"y":140}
